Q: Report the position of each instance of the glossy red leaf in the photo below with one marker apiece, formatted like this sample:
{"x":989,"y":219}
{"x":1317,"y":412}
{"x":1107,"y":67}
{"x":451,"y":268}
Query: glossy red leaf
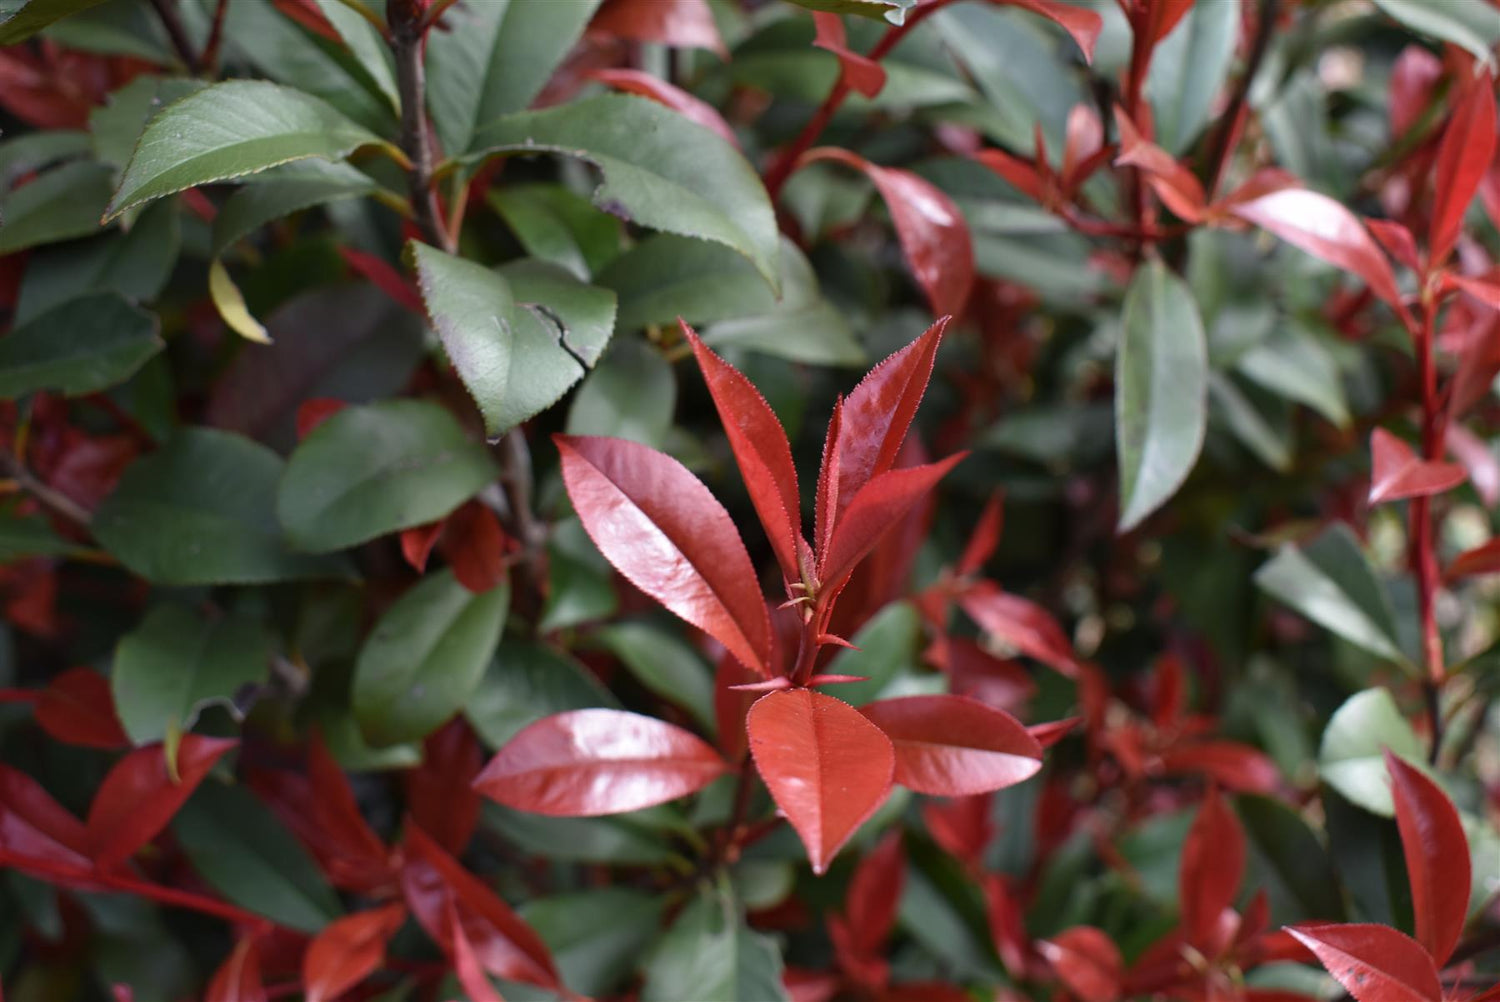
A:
{"x":878,"y":507}
{"x":1325,"y":229}
{"x":139,"y":796}
{"x":238,"y":978}
{"x":1399,"y":474}
{"x":77,"y":708}
{"x":33,"y":824}
{"x":466,"y":966}
{"x":933,"y":234}
{"x":1007,"y":921}
{"x":860,"y":72}
{"x":1467,"y":148}
{"x":644,"y":84}
{"x":984,"y":537}
{"x":953,"y":746}
{"x":1232,"y":765}
{"x":1086,"y":961}
{"x":761,"y":451}
{"x":440,"y":792}
{"x":827,"y":767}
{"x":1081,"y":24}
{"x":875,"y":892}
{"x":1020,"y":623}
{"x":663,"y":530}
{"x":475,"y":547}
{"x":1374,"y":963}
{"x":504,"y":945}
{"x":1213,"y":862}
{"x":1177,"y":187}
{"x":1437,"y":857}
{"x":417,"y":543}
{"x":359,"y":858}
{"x":688,"y":23}
{"x":584,"y":763}
{"x":348,"y":951}
{"x":1485,"y":291}
{"x":1028,"y":178}
{"x":1482,"y":559}
{"x":1414,"y":79}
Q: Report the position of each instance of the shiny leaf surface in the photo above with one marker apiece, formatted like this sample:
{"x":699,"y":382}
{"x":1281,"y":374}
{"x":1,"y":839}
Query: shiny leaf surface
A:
{"x":952,"y":746}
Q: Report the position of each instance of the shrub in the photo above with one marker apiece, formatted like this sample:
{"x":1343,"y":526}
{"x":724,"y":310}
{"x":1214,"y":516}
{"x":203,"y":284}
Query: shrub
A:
{"x":451,"y":550}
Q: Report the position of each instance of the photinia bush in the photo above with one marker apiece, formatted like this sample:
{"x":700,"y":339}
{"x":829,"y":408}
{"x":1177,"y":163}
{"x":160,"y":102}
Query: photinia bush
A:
{"x":450,"y":549}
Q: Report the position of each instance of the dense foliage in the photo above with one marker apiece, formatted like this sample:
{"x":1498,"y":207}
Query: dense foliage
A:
{"x":450,"y":548}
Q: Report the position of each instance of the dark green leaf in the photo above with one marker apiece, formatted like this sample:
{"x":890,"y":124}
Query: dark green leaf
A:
{"x":1188,"y":70}
{"x":710,"y":955}
{"x":525,"y":683}
{"x":1270,"y":445}
{"x":553,"y":224}
{"x":24,"y":536}
{"x":631,"y":394}
{"x":1161,"y":385}
{"x":63,"y":203}
{"x":176,"y":663}
{"x":616,"y":839}
{"x":281,"y":191}
{"x":229,"y":130}
{"x":660,"y":170}
{"x":1294,"y":364}
{"x":20,"y":19}
{"x":79,"y":347}
{"x":116,"y":126}
{"x":1352,"y":757}
{"x":666,"y":665}
{"x":378,"y":468}
{"x":244,"y":852}
{"x":1330,"y":582}
{"x":425,"y":657}
{"x":202,"y":510}
{"x":580,"y":581}
{"x":365,"y":42}
{"x":1287,"y":846}
{"x":596,"y":937}
{"x":887,"y":646}
{"x":1465,"y":24}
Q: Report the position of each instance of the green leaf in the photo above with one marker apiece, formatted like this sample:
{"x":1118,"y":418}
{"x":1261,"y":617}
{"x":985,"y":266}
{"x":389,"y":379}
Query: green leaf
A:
{"x":493,"y":58}
{"x":525,"y":683}
{"x":631,"y":394}
{"x":597,"y":936}
{"x":580,"y":581}
{"x":1188,"y":69}
{"x":176,"y":663}
{"x":24,"y":536}
{"x":1465,"y":24}
{"x":1292,"y":363}
{"x":553,"y":224}
{"x":488,"y":332}
{"x":31,"y":151}
{"x":116,"y":125}
{"x":82,"y":346}
{"x":63,"y":203}
{"x":283,"y":190}
{"x":662,"y":662}
{"x":1352,"y":756}
{"x":710,"y":955}
{"x":617,"y":839}
{"x":240,"y":848}
{"x":423,"y":660}
{"x":364,"y":41}
{"x":1330,"y":582}
{"x":1161,"y":385}
{"x":201,"y":510}
{"x":378,"y":468}
{"x":887,"y":646}
{"x":893,"y":11}
{"x":20,"y":19}
{"x":1269,"y":444}
{"x":660,"y":170}
{"x":1287,"y":846}
{"x":229,"y":130}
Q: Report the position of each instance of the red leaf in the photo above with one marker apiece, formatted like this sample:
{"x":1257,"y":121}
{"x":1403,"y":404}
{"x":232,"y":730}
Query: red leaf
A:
{"x":1230,"y":764}
{"x":584,"y":763}
{"x":360,"y":854}
{"x":878,"y":506}
{"x":731,"y":703}
{"x":961,"y":825}
{"x":475,"y":546}
{"x":925,"y":991}
{"x":662,"y":529}
{"x":1374,"y":963}
{"x":238,"y":978}
{"x":1213,"y":862}
{"x":1083,"y":142}
{"x":122,"y":993}
{"x":1437,"y":857}
{"x":687,"y":23}
{"x":440,"y":792}
{"x":1482,"y":559}
{"x":1020,"y":623}
{"x":644,"y":84}
{"x":77,"y":708}
{"x":860,"y":72}
{"x":433,"y":882}
{"x":1397,"y":241}
{"x":313,"y":412}
{"x":1482,"y":465}
{"x":1414,"y":78}
{"x":762,"y":452}
{"x":385,"y":278}
{"x":1051,"y":733}
{"x":1007,"y":924}
{"x":975,"y":672}
{"x":1325,"y":229}
{"x":1177,"y":187}
{"x":33,"y":824}
{"x":953,"y":746}
{"x":1086,"y":961}
{"x":1487,"y":292}
{"x":984,"y":538}
{"x":348,"y":951}
{"x":417,"y":543}
{"x":1025,"y":176}
{"x":934,"y":237}
{"x":138,"y":796}
{"x":1398,"y":473}
{"x":1083,"y":25}
{"x":471,"y":976}
{"x":1464,"y":156}
{"x":827,"y":767}
{"x":875,"y":892}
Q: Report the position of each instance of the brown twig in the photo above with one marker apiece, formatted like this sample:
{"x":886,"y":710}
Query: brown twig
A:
{"x":209,"y":60}
{"x":408,"y":32}
{"x":53,"y":500}
{"x":166,"y":10}
{"x":1219,"y":150}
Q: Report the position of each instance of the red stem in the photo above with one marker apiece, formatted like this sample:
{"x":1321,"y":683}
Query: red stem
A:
{"x":18,"y":696}
{"x":64,"y":874}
